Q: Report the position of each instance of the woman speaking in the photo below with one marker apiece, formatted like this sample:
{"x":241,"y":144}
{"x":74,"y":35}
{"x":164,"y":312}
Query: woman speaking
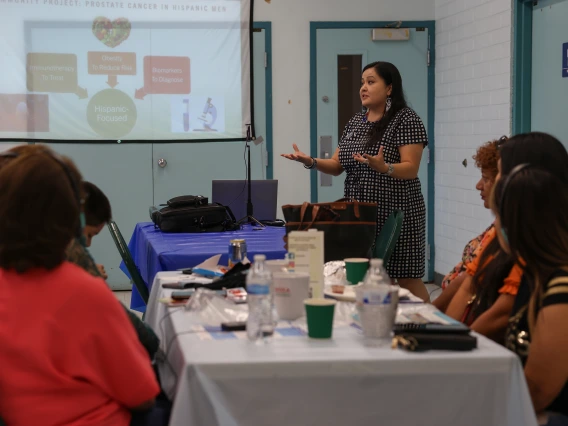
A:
{"x":380,"y":151}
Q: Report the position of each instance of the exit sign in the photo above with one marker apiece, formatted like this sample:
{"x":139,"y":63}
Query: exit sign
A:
{"x":565,"y":60}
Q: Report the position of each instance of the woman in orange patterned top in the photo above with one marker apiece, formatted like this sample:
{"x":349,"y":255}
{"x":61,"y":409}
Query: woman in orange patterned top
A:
{"x":486,"y":298}
{"x":486,"y":159}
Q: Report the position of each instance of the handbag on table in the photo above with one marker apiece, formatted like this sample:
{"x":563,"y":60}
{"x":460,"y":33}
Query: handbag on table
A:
{"x":349,"y":226}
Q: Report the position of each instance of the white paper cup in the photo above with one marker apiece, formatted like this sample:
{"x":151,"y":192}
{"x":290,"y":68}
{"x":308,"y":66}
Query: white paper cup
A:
{"x":277,"y":265}
{"x":290,"y":291}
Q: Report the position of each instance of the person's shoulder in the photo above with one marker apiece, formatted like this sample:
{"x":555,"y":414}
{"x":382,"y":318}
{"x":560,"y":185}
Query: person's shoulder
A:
{"x":78,"y":297}
{"x":79,"y":255}
{"x":407,"y":114}
{"x":490,"y":229}
{"x":558,"y":277}
{"x":90,"y":288}
{"x":358,"y":117}
{"x":70,"y":269}
{"x":556,"y":289}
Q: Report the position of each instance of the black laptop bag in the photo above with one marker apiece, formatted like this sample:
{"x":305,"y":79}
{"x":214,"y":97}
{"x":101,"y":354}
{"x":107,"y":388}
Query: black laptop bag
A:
{"x":191,"y":214}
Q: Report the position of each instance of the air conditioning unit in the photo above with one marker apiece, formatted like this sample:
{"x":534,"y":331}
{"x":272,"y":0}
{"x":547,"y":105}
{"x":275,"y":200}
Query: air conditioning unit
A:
{"x":390,"y":34}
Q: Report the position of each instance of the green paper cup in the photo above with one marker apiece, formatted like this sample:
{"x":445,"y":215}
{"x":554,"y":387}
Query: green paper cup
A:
{"x":319,"y":314}
{"x":356,"y":268}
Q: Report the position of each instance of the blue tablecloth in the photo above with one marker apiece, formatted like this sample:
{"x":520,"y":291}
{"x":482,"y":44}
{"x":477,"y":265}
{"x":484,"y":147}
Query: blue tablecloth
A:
{"x":154,"y":251}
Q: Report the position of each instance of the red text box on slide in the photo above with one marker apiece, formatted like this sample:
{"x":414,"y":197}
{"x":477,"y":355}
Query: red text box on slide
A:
{"x":166,"y":75}
{"x":24,"y":113}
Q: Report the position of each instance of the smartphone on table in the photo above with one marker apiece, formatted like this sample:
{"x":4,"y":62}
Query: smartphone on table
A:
{"x":182,"y":294}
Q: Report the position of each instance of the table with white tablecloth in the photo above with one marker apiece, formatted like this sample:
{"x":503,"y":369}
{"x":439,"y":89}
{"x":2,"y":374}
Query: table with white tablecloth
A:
{"x":299,"y":381}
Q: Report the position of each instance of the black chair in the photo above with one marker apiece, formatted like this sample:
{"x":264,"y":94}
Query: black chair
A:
{"x":128,"y":261}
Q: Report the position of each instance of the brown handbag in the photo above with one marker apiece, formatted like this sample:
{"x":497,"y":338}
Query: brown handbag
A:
{"x":349,"y":227}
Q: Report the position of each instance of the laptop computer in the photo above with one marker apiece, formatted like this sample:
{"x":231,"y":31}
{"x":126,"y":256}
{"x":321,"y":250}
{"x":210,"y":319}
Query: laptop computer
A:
{"x":234,"y":194}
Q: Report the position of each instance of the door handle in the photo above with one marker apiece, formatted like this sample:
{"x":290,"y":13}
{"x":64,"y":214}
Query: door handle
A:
{"x":162,"y":162}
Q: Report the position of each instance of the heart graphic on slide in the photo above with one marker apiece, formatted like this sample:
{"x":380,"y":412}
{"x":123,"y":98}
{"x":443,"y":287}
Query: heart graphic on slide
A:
{"x":111,"y":33}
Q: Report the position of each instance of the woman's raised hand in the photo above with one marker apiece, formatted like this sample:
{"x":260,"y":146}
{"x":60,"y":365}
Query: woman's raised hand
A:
{"x":299,"y":156}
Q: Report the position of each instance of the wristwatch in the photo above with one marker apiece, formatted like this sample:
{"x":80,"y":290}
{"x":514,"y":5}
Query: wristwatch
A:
{"x":313,"y":165}
{"x":390,"y":169}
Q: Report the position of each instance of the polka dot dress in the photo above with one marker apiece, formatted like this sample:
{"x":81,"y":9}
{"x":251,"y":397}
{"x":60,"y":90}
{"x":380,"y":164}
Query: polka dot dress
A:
{"x":366,"y":185}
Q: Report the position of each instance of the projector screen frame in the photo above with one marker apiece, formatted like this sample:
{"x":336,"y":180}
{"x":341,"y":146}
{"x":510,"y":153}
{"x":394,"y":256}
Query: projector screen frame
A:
{"x":30,"y":25}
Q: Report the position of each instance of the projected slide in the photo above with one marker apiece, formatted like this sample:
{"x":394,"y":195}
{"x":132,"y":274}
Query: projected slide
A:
{"x":119,"y":71}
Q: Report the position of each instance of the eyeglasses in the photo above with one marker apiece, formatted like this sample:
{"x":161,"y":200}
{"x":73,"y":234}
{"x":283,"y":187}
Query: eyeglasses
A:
{"x":501,"y":141}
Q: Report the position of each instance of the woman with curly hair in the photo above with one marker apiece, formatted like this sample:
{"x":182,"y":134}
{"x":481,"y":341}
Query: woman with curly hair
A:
{"x":486,"y":159}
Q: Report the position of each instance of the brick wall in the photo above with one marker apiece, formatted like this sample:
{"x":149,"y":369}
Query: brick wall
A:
{"x":473,"y":105}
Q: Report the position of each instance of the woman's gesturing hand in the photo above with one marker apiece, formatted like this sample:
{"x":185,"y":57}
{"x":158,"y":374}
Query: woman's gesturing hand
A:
{"x":299,"y":156}
{"x":376,"y":162}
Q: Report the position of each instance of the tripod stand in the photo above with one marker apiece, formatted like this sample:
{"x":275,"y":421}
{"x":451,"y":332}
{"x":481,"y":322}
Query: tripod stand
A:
{"x":249,"y":218}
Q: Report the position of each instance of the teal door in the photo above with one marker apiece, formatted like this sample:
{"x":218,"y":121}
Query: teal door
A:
{"x":549,"y":80}
{"x":130,"y":176}
{"x":190,"y":168}
{"x":338,"y":50}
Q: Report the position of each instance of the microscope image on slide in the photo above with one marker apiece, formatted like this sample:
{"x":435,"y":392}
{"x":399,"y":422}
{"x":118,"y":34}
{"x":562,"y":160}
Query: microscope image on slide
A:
{"x":195,"y":113}
{"x":208,"y":117}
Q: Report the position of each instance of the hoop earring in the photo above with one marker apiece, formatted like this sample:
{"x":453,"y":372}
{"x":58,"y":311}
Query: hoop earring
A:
{"x":389,"y":104}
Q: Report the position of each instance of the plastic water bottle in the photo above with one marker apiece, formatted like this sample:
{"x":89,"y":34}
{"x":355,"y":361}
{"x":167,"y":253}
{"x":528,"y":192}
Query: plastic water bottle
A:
{"x":377,"y":274}
{"x":260,"y":322}
{"x":378,"y":281}
{"x":377,"y":302}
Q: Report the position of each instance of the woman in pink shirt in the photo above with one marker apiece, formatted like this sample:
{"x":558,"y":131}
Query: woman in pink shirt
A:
{"x":69,"y":354}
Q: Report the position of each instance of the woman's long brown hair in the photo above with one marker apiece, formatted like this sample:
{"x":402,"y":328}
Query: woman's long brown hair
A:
{"x":494,"y":267}
{"x":532,"y":210}
{"x":38,"y":206}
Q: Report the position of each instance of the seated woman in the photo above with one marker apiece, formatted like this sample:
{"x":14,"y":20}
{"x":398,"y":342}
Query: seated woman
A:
{"x":486,"y":159}
{"x":490,"y":289}
{"x":531,"y":206}
{"x":486,"y":298}
{"x":69,"y":353}
{"x":76,"y":253}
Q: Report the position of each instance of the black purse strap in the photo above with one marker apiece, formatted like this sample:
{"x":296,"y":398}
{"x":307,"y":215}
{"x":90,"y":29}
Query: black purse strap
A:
{"x":230,"y":212}
{"x":232,"y":226}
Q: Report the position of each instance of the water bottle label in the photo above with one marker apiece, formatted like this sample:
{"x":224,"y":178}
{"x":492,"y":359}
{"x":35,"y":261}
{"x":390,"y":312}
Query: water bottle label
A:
{"x":376,"y":298}
{"x":258,"y":289}
{"x":291,"y":257}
